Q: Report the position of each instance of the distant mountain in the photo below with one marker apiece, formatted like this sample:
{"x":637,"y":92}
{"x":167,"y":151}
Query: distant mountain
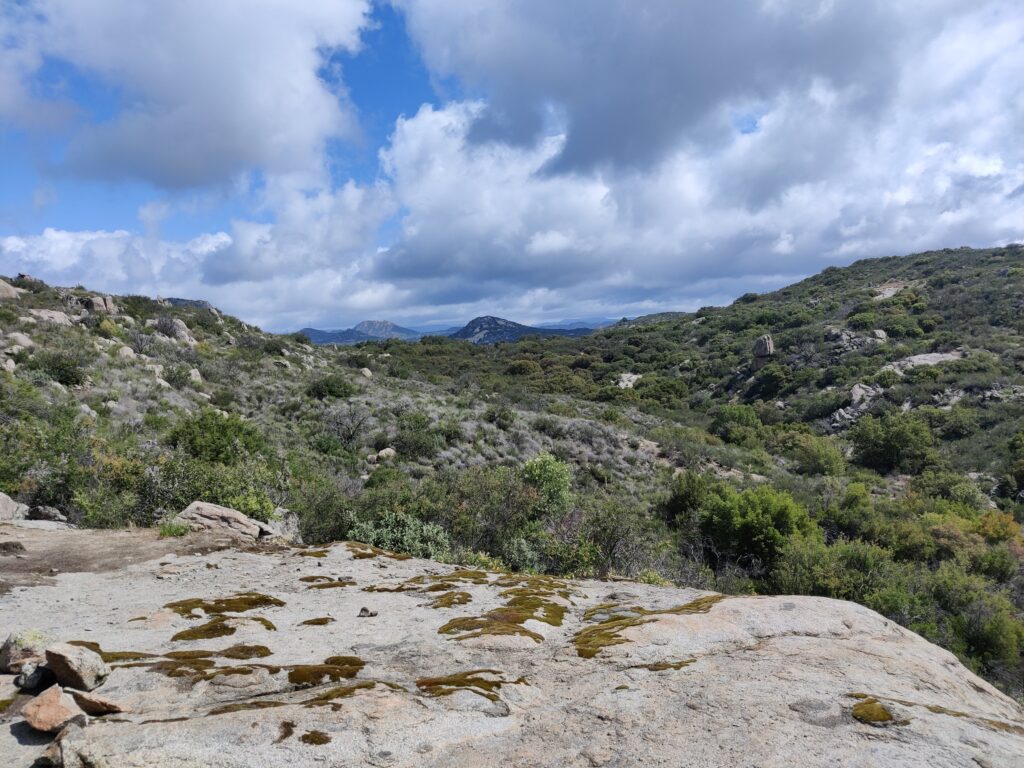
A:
{"x":385,"y":329}
{"x":198,"y":303}
{"x":368,"y":330}
{"x":346,"y":336}
{"x":491,"y":330}
{"x":593,"y":323}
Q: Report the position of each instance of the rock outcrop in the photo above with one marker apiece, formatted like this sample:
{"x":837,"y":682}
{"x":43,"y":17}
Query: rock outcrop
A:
{"x":8,"y":291}
{"x":52,"y":710}
{"x":257,"y":657}
{"x":11,"y":509}
{"x":201,"y":515}
{"x":76,"y":667}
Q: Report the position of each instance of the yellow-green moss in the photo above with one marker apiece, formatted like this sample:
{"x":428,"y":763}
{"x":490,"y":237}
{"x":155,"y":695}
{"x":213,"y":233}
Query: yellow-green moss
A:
{"x":111,"y":656}
{"x":318,"y":553}
{"x":310,"y":579}
{"x":240,"y":603}
{"x":245,"y":652}
{"x":245,"y":706}
{"x":215,"y":627}
{"x":998,"y":725}
{"x":315,"y":737}
{"x":197,"y":654}
{"x":339,"y":692}
{"x":607,"y":631}
{"x":479,"y":626}
{"x":662,"y":666}
{"x":317,"y":622}
{"x":472,"y":681}
{"x":5,"y":703}
{"x":286,"y":729}
{"x":872,"y":712}
{"x":333,"y":669}
{"x":450,"y":599}
{"x":332,"y":584}
{"x":361,"y":551}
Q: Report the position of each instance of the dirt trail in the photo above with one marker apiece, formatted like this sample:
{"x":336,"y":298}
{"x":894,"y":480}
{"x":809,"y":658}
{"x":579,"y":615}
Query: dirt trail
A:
{"x":47,"y":552}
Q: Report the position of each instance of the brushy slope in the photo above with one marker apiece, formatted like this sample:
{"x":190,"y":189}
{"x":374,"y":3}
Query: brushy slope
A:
{"x":876,"y":455}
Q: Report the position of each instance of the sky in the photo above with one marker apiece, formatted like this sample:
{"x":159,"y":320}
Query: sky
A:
{"x":428,"y":161}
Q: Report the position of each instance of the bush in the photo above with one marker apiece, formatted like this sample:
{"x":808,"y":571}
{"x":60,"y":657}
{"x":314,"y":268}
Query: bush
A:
{"x":752,"y":525}
{"x":210,"y":436}
{"x":896,"y":441}
{"x":816,"y":455}
{"x":552,"y":479}
{"x":173,"y":528}
{"x":331,"y":385}
{"x":400,"y":532}
{"x":62,"y":367}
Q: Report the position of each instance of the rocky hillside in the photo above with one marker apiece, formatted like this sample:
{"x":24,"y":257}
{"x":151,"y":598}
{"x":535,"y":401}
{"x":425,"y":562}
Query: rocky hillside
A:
{"x":857,"y":436}
{"x":348,"y":655}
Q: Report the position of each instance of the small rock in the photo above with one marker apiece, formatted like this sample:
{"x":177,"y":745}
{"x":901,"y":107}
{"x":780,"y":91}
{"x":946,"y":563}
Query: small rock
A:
{"x":76,"y":667}
{"x":366,"y":613}
{"x":19,"y":646}
{"x":96,"y":705}
{"x":386,"y":454}
{"x":21,"y":340}
{"x":126,"y":353}
{"x":764,"y":346}
{"x":34,"y":675}
{"x":195,"y":376}
{"x":10,"y":366}
{"x":366,"y":372}
{"x":11,"y":548}
{"x":52,"y":710}
{"x":47,"y":513}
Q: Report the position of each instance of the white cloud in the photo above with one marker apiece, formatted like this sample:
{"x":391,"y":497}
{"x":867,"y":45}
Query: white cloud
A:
{"x":208,"y":89}
{"x":599,"y":170}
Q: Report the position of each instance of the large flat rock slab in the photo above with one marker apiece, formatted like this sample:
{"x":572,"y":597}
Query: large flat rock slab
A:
{"x":260,"y":658}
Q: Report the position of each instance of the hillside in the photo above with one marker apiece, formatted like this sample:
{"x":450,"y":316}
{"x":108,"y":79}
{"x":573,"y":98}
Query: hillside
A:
{"x":872,"y":449}
{"x":346,"y":655}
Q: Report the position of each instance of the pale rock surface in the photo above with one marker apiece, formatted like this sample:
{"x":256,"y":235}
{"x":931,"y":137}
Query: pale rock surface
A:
{"x":691,"y":680}
{"x":19,"y":646}
{"x":10,"y":366}
{"x":76,"y":667}
{"x":96,"y":705}
{"x":8,"y":291}
{"x":54,"y":316}
{"x":930,"y":358}
{"x":628,"y":380}
{"x":126,"y":353}
{"x":386,"y":454}
{"x":366,"y":372}
{"x":20,"y":339}
{"x":52,"y":710}
{"x":201,"y":515}
{"x":11,"y":509}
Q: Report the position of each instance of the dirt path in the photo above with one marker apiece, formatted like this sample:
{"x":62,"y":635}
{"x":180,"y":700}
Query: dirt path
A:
{"x":43,"y":553}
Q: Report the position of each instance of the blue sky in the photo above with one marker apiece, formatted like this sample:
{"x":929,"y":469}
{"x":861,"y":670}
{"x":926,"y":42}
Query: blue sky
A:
{"x":429,"y":161}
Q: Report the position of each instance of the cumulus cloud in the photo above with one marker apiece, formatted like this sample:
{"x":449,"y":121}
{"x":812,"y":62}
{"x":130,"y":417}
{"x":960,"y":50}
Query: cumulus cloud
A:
{"x":611,"y":158}
{"x":209,"y":89}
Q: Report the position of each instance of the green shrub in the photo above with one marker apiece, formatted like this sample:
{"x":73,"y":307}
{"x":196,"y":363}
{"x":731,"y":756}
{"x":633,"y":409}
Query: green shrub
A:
{"x":331,"y":385}
{"x":896,"y":441}
{"x":552,"y":479}
{"x":63,"y":367}
{"x":753,"y":525}
{"x":173,"y":528}
{"x":210,"y":436}
{"x":399,"y":532}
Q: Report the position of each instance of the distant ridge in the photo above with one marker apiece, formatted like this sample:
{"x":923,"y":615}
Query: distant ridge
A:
{"x":491,"y":330}
{"x":368,"y":330}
